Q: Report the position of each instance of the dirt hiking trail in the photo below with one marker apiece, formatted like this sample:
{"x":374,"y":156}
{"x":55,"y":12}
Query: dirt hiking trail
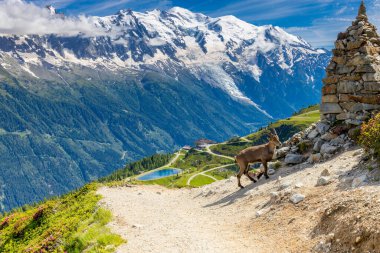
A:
{"x":260,"y":218}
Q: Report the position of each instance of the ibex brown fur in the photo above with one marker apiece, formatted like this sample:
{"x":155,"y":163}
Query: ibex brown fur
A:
{"x":263,"y":153}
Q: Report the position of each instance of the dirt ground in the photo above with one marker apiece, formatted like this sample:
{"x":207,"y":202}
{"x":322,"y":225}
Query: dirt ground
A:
{"x":260,"y":218}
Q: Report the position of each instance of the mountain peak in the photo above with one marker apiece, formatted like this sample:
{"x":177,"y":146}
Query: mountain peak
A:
{"x":124,"y":12}
{"x":51,"y":9}
{"x":178,"y":9}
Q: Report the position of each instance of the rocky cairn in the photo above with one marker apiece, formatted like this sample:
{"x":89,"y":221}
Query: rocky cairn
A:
{"x":350,"y":95}
{"x":351,"y":90}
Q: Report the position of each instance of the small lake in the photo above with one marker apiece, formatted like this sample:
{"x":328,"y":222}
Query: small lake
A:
{"x":160,"y":174}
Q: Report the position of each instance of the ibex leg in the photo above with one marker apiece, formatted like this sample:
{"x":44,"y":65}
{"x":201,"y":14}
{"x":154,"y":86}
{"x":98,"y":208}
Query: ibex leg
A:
{"x":265,"y":163}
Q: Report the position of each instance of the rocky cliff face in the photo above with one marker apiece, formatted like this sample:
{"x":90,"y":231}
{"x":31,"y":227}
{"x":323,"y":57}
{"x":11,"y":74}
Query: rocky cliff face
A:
{"x":75,"y":108}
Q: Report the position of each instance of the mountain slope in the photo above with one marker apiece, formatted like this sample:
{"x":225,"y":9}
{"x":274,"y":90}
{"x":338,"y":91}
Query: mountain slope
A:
{"x":75,"y":108}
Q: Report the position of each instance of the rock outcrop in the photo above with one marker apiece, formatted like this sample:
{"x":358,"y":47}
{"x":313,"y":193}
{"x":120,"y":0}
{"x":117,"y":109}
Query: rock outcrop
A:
{"x":351,"y":89}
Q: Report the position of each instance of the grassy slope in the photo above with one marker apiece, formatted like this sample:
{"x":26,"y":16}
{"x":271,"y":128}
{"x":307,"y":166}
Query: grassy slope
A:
{"x":201,"y":180}
{"x":72,"y":223}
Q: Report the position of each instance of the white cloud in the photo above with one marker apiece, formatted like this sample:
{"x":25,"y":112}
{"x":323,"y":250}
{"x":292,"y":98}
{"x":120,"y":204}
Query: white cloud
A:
{"x":323,"y":31}
{"x":19,"y":18}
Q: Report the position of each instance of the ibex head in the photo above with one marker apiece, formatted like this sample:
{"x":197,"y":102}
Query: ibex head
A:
{"x":273,"y":137}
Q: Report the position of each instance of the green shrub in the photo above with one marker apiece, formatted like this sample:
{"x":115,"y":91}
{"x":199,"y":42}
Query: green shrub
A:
{"x":234,"y":139}
{"x":277,"y":165}
{"x":370,"y":135}
{"x":304,"y":146}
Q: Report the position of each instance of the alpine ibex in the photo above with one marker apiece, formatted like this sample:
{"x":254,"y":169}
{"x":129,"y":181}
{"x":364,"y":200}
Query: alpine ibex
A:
{"x":263,"y":153}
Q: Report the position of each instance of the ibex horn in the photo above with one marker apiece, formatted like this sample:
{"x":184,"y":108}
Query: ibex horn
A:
{"x":273,"y":131}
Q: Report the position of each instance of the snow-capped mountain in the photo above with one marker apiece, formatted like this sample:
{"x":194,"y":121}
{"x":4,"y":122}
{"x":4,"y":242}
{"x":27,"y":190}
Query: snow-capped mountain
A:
{"x":209,"y":48}
{"x":75,"y":108}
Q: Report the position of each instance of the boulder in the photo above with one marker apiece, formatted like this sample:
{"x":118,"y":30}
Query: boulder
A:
{"x":322,"y":128}
{"x":328,"y":136}
{"x":313,"y":134}
{"x":347,"y":146}
{"x":325,"y":173}
{"x":343,"y":116}
{"x":271,"y":172}
{"x":262,"y":212}
{"x":337,"y":141}
{"x":329,"y":89}
{"x":372,"y":86}
{"x":294,"y":159}
{"x":355,"y":122}
{"x":371,"y":77}
{"x":322,"y":181}
{"x":284,"y":185}
{"x":344,"y":70}
{"x":318,"y":144}
{"x":348,"y":87}
{"x":355,"y":44}
{"x":330,"y":99}
{"x":330,"y":79}
{"x":297,"y":198}
{"x":328,"y":149}
{"x":314,"y":158}
{"x":340,"y":129}
{"x":331,"y":108}
{"x":366,"y":99}
{"x":280,"y":153}
{"x":294,"y":149}
{"x":365,"y":69}
{"x":274,"y":196}
{"x":357,"y":107}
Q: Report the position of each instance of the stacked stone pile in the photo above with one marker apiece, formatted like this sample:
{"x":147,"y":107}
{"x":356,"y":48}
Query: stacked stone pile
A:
{"x":351,"y":89}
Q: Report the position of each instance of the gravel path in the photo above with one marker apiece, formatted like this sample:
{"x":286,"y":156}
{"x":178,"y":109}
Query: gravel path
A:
{"x":220,"y":218}
{"x":154,"y":219}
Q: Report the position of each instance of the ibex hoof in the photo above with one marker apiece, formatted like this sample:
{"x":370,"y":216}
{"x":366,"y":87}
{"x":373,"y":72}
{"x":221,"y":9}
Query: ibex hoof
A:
{"x":241,"y":187}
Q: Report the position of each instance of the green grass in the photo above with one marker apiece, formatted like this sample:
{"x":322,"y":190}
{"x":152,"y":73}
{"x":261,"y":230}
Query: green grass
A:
{"x":201,"y":180}
{"x":71,"y":223}
{"x":224,"y":173}
{"x":308,"y":109}
{"x":195,"y":160}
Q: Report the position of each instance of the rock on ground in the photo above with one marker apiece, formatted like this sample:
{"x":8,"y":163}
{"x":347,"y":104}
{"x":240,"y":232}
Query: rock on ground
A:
{"x":297,"y":198}
{"x":293,"y":159}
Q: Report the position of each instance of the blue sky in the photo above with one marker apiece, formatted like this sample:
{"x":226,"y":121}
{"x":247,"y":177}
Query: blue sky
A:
{"x":317,"y":21}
